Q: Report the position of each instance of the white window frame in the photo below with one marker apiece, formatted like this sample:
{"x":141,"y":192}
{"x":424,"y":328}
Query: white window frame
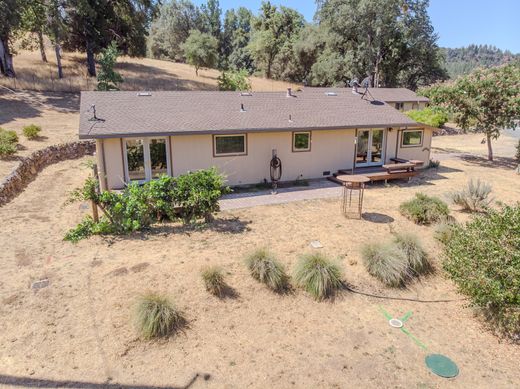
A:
{"x":147,"y":160}
{"x":421,"y":130}
{"x":294,"y":149}
{"x":215,"y":136}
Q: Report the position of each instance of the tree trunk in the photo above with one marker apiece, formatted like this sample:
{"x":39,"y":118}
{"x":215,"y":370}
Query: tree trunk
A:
{"x":42,"y":47}
{"x":490,"y":148}
{"x":6,"y":59}
{"x":57,"y":49}
{"x":91,"y":62}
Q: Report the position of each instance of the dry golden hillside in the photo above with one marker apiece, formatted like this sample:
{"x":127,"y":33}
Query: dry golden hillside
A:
{"x":138,"y":73}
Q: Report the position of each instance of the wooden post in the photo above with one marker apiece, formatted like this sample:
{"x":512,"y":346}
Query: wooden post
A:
{"x":95,"y":214}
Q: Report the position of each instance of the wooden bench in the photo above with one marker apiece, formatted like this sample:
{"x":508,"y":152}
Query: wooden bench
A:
{"x":399,"y":167}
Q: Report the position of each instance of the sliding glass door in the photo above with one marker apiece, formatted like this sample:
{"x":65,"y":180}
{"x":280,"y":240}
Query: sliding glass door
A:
{"x":146,"y":159}
{"x":370,"y":147}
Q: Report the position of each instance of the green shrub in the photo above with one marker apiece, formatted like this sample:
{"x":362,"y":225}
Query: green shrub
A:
{"x":234,"y":81}
{"x":156,"y":316}
{"x":424,"y":209}
{"x":8,"y":141}
{"x":198,"y":193}
{"x":483,"y":259}
{"x":161,"y":192}
{"x":318,"y":275}
{"x":432,"y":116}
{"x":214,"y":282}
{"x":473,"y":198}
{"x":264,"y":267}
{"x":387,"y":262}
{"x":418,"y":262}
{"x":31,"y":131}
{"x":88,"y":227}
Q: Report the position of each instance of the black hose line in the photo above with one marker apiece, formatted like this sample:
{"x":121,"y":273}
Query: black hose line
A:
{"x":400,"y":298}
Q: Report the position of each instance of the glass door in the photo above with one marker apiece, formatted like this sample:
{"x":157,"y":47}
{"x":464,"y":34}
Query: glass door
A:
{"x":146,"y":159}
{"x":370,"y":147}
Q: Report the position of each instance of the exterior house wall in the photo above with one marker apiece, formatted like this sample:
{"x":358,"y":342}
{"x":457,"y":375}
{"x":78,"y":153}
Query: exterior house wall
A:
{"x":409,"y":105}
{"x":113,"y":158}
{"x":421,"y":153}
{"x":330,"y":151}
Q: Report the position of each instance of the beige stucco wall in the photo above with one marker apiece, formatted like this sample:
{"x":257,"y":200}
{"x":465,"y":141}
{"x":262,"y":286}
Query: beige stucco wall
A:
{"x":113,"y":157}
{"x":330,"y":151}
{"x":421,"y":153}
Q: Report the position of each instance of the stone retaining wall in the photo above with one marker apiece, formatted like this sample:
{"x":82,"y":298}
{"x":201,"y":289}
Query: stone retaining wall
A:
{"x":28,"y":167}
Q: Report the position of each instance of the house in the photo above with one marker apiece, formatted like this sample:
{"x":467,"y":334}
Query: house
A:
{"x":142,"y":135}
{"x":402,"y":99}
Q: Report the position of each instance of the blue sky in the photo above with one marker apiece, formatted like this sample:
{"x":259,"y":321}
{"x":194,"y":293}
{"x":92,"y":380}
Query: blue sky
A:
{"x":457,"y":22}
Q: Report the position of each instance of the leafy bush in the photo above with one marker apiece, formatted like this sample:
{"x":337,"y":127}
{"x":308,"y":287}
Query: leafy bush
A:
{"x":234,"y":81}
{"x":31,"y":131}
{"x":387,"y":262}
{"x":318,"y":275}
{"x":197,"y":194}
{"x":264,"y":267}
{"x":213,"y":278}
{"x":138,"y":206}
{"x":417,"y":258}
{"x":473,"y":198}
{"x":432,"y":116}
{"x":156,"y":316}
{"x":87,"y":228}
{"x":8,"y":141}
{"x":424,"y":209}
{"x":483,"y":258}
{"x":162,"y":193}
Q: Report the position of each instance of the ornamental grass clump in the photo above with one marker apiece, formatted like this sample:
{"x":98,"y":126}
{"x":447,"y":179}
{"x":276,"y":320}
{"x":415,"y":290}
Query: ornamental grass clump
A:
{"x":387,"y":262}
{"x":264,"y":267}
{"x":424,"y":209}
{"x":418,"y":261}
{"x":213,"y":278}
{"x":318,"y":275}
{"x":156,"y":316}
{"x":473,"y":198}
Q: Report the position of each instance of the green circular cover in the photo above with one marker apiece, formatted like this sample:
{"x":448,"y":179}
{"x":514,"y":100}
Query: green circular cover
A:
{"x":442,"y":365}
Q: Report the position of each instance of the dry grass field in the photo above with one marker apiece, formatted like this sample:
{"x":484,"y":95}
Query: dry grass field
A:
{"x":78,"y":331}
{"x":138,"y":74}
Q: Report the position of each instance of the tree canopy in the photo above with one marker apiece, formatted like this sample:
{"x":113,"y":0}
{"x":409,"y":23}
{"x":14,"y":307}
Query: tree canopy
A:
{"x":486,"y":100}
{"x":200,"y":50}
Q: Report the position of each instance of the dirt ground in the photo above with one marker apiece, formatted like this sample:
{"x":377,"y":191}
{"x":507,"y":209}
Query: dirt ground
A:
{"x":78,"y":330}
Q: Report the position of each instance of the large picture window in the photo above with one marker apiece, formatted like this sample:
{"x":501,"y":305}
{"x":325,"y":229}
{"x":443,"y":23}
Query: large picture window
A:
{"x":412,"y":138}
{"x":301,"y":141}
{"x":224,"y":145}
{"x":146,"y":159}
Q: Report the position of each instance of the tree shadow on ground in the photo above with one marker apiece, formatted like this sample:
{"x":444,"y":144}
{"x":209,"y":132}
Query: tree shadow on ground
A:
{"x":497,"y":163}
{"x":29,"y":382}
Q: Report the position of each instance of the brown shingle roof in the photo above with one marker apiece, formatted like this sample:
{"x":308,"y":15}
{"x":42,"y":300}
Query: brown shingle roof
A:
{"x":181,"y":112}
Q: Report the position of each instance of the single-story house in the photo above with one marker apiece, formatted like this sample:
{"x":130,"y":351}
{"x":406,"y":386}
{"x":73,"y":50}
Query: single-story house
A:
{"x":315,"y":132}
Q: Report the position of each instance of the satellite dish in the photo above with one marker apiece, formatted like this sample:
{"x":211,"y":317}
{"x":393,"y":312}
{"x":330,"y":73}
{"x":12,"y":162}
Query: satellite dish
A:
{"x":366,"y":82}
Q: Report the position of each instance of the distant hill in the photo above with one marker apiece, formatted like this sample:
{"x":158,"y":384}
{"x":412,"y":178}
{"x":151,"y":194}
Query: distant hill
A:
{"x":464,"y":59}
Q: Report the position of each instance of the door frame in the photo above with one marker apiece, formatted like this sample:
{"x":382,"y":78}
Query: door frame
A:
{"x":369,"y":151}
{"x":147,"y":161}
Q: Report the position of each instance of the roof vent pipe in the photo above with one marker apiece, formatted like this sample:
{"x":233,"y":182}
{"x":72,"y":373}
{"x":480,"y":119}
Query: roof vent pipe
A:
{"x":289,"y":92}
{"x":242,"y":109}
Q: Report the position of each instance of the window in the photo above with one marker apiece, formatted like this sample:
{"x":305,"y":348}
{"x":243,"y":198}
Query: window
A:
{"x":301,"y":141}
{"x":412,"y":138}
{"x":224,"y":145}
{"x":146,"y":159}
{"x":399,"y":106}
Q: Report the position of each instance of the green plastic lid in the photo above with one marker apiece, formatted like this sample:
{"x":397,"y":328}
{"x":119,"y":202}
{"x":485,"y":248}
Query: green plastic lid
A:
{"x":442,"y":365}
